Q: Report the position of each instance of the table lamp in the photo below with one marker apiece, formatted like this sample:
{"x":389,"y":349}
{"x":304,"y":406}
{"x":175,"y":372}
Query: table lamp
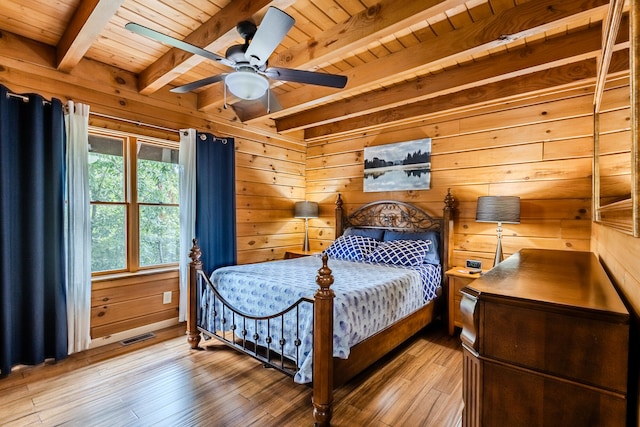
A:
{"x":306,"y":210}
{"x":498,"y":209}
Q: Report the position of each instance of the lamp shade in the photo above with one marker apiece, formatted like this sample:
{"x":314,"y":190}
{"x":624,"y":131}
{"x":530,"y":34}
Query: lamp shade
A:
{"x":498,"y":209}
{"x":306,"y":210}
{"x":246,"y":84}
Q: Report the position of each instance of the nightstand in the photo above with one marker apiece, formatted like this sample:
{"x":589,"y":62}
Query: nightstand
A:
{"x":458,"y":277}
{"x":297,"y":254}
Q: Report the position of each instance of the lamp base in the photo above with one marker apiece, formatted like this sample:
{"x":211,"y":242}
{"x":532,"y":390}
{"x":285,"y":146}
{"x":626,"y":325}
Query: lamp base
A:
{"x":305,"y":244}
{"x":498,"y":259}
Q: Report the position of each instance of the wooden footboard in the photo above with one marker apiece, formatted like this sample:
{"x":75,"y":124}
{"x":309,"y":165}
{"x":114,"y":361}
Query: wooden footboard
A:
{"x":322,"y":332}
{"x":323,"y":347}
{"x":275,"y":339}
{"x":193,"y":334}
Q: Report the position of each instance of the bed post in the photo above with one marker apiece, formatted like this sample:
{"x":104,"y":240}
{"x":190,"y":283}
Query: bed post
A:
{"x":323,"y":347}
{"x":339,"y":220}
{"x":193,"y":335}
{"x":447,"y":230}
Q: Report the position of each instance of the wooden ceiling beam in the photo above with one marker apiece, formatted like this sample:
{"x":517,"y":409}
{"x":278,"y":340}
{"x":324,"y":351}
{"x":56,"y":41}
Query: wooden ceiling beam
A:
{"x":378,"y":21}
{"x":527,"y":59}
{"x":521,"y":21}
{"x":216,"y":34}
{"x":581,"y":73}
{"x":30,"y":66}
{"x":87,"y":23}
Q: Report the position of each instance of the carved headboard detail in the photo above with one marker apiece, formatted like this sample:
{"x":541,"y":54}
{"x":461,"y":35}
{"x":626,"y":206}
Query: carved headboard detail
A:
{"x":392,"y":215}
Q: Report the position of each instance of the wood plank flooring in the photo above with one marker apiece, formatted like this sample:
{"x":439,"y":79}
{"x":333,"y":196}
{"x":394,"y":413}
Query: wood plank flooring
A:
{"x":162,"y":382}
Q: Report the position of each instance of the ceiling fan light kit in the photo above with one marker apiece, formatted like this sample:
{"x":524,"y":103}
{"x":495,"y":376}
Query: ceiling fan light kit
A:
{"x":250,"y":78}
{"x":247,"y":84}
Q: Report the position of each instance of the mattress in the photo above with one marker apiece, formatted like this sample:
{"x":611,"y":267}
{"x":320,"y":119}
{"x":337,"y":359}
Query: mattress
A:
{"x":368,"y":297}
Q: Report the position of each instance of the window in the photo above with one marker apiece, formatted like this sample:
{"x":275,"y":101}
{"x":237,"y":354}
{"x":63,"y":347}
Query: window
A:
{"x":133,"y":186}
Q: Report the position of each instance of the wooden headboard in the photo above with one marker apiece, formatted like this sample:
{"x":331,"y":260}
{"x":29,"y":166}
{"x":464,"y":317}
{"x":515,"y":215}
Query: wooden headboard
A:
{"x":401,"y":216}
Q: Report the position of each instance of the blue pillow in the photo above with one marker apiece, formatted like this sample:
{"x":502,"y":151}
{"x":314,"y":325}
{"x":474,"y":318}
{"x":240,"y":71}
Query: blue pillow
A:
{"x":433,"y":257}
{"x":374,"y":233}
{"x":408,"y":253}
{"x":351,"y":248}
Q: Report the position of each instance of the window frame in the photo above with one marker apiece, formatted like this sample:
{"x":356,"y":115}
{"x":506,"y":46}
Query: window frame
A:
{"x":131,"y":204}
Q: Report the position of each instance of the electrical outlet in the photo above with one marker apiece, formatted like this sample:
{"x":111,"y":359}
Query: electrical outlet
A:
{"x":166,"y":297}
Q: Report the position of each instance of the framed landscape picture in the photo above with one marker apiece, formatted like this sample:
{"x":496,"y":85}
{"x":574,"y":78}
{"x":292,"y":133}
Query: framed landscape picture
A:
{"x":399,"y":166}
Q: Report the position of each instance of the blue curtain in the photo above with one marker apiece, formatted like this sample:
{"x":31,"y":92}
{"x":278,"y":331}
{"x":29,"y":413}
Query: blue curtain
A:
{"x":33,"y":322}
{"x":216,"y":200}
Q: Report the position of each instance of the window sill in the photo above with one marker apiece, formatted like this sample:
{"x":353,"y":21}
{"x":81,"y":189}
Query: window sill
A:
{"x":146,"y":272}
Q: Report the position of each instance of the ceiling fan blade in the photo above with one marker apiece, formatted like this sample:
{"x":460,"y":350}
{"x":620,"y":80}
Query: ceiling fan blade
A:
{"x":275,"y":25}
{"x":188,"y":47}
{"x":309,"y":77}
{"x":198,"y":84}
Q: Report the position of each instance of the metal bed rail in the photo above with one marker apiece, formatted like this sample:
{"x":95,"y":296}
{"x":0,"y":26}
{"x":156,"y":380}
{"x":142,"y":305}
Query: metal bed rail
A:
{"x":236,"y":326}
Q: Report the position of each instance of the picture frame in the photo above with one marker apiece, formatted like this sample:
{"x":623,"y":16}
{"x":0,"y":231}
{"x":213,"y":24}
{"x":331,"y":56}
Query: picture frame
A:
{"x":398,"y":166}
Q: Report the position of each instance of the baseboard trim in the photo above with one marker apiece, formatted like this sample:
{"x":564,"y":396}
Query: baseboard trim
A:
{"x":109,"y":339}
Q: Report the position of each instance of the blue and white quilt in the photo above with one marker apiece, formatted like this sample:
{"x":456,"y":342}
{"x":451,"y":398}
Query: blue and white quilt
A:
{"x":368,"y":297}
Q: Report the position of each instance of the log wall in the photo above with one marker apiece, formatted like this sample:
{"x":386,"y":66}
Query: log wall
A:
{"x":539,"y":149}
{"x":270,"y":168}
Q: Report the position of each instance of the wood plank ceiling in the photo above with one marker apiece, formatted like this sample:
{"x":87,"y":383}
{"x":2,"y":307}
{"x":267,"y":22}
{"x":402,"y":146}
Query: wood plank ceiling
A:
{"x":404,"y":60}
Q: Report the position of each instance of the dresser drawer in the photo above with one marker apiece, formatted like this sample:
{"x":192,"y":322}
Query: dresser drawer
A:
{"x":562,"y":344}
{"x":536,"y":400}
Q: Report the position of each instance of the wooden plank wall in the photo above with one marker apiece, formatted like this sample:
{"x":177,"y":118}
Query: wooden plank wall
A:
{"x":619,"y":254}
{"x":270,"y":178}
{"x":270,"y":168}
{"x":539,"y":149}
{"x":123,"y":303}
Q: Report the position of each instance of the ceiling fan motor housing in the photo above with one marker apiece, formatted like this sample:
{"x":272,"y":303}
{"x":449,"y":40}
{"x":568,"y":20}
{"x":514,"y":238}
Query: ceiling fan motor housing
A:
{"x":236,"y":52}
{"x":247,"y":30}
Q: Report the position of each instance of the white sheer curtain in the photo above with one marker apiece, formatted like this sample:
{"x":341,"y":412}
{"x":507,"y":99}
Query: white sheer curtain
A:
{"x":78,"y":228}
{"x":187,"y":160}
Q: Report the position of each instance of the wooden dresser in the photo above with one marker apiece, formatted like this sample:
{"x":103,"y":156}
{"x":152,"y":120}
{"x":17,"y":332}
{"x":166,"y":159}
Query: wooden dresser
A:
{"x":545,"y":343}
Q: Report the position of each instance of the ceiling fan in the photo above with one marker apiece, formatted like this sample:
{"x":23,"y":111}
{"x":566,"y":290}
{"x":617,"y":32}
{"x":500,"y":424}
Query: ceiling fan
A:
{"x":249,"y":80}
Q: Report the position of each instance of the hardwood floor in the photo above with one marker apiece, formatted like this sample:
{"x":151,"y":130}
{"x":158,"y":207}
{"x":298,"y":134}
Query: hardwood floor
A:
{"x":161,"y":382}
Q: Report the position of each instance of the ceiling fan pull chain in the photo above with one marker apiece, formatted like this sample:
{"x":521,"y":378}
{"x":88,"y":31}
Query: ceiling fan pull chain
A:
{"x":225,"y":95}
{"x":268,"y":100}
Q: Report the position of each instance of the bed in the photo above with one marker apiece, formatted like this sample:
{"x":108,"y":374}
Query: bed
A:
{"x":324,"y":319}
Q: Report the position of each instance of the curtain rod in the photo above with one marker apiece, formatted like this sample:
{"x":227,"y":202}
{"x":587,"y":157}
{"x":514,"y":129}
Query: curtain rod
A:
{"x":106,"y":116}
{"x":202,"y":135}
{"x":139,"y":123}
{"x":24,"y":97}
